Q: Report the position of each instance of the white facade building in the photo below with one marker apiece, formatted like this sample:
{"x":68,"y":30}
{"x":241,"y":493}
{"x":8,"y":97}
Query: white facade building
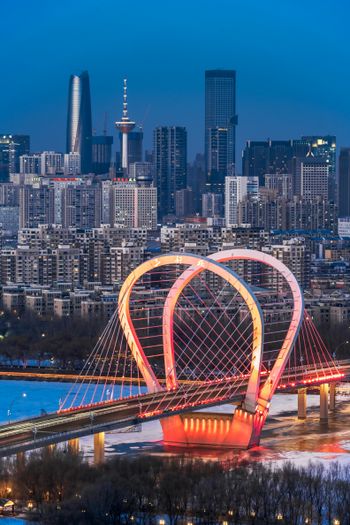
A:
{"x":238,"y":188}
{"x":72,"y":164}
{"x":51,"y":162}
{"x":30,"y":164}
{"x":344,"y":227}
{"x":314,"y":179}
{"x":133,"y":206}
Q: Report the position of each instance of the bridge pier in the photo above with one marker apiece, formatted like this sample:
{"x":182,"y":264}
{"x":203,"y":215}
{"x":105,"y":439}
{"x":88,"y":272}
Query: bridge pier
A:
{"x":324,"y":402}
{"x":73,"y":445}
{"x":332,"y":396}
{"x":99,"y":448}
{"x":206,"y":429}
{"x":302,"y":400}
{"x":20,"y":459}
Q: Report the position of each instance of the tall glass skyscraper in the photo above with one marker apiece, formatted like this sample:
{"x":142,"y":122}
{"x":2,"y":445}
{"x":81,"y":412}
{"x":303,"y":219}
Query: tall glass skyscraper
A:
{"x":220,"y":119}
{"x":101,"y":153}
{"x":324,"y":148}
{"x":170,"y":166}
{"x":11,"y":148}
{"x":344,"y":182}
{"x":79,"y":127}
{"x":267,"y":156}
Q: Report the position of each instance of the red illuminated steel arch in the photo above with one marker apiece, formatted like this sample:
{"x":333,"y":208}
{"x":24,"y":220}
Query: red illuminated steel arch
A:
{"x":197,"y":264}
{"x":275,"y":374}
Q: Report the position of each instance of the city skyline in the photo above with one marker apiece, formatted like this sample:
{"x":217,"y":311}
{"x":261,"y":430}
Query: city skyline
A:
{"x":281,"y":91}
{"x":175,"y":262}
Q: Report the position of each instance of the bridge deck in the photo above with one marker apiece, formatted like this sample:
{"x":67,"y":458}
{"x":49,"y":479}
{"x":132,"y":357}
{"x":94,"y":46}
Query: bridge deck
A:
{"x":77,"y":422}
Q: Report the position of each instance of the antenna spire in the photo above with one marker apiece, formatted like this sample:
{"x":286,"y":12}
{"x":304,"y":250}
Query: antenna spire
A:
{"x":125,"y":126}
{"x":125,"y":100}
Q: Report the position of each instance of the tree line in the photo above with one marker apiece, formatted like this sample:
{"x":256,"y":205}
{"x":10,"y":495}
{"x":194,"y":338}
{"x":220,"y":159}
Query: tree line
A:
{"x":67,"y":341}
{"x":63,"y":488}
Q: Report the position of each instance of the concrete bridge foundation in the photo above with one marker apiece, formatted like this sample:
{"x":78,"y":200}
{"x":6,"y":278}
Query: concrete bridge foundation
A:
{"x":302,"y":400}
{"x":208,"y":429}
{"x":99,"y":448}
{"x":324,"y":402}
{"x":327,"y":401}
{"x":332,"y":396}
{"x":73,"y":445}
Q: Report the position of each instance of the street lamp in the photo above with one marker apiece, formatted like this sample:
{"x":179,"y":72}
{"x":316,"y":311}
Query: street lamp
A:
{"x":9,"y":410}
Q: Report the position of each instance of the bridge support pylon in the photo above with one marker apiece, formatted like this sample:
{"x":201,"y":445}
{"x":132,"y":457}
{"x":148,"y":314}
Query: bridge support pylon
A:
{"x":324,"y":402}
{"x":99,"y":448}
{"x":332,"y":396}
{"x":302,"y":400}
{"x":20,"y":458}
{"x":246,"y":428}
{"x":209,"y":429}
{"x":73,"y":445}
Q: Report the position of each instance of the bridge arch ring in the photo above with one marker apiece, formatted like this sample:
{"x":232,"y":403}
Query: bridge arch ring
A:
{"x":196,"y":265}
{"x":276,"y":372}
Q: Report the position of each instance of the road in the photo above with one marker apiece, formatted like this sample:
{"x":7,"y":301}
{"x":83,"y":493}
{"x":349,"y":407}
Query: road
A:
{"x":68,"y":424}
{"x":73,"y":423}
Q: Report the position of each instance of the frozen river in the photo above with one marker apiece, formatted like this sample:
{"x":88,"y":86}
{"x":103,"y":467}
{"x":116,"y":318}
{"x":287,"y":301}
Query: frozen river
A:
{"x":284,"y":437}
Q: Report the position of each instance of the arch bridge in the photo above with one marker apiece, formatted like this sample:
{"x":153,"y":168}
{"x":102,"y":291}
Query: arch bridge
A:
{"x":191,"y":332}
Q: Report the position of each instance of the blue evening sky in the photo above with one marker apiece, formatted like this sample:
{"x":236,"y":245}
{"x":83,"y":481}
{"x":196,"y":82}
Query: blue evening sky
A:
{"x":292,"y":59}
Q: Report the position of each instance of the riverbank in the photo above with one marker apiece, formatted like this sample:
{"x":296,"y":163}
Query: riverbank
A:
{"x":143,"y":489}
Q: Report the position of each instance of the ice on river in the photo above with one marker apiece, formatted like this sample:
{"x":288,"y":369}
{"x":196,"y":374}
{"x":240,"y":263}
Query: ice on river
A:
{"x":277,"y":446}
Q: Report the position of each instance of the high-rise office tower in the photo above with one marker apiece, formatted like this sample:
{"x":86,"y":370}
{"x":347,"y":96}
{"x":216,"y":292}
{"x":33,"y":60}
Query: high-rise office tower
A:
{"x":106,"y":201}
{"x":51,"y":162}
{"x":72,"y":164}
{"x":36,"y":206}
{"x":280,"y":184}
{"x":220,"y":114}
{"x":59,"y":184}
{"x":125,"y":126}
{"x":300,"y":150}
{"x":79,"y":127}
{"x":236,"y":190}
{"x":170,"y":166}
{"x":133,"y":206}
{"x":280,"y":156}
{"x":141,"y":172}
{"x":184,"y":203}
{"x":314,"y":176}
{"x":217,"y":158}
{"x":30,"y":163}
{"x":324,"y":148}
{"x":135,"y":146}
{"x":11,"y":148}
{"x":9,"y":194}
{"x":255,"y":159}
{"x":101,"y":153}
{"x":212,"y":204}
{"x":266,"y":156}
{"x":196,"y":180}
{"x":344,"y":182}
{"x":81,"y":206}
